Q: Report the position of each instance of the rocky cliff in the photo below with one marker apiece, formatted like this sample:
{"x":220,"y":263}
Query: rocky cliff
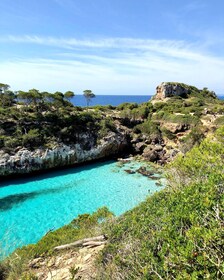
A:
{"x":25,"y":161}
{"x":170,"y":89}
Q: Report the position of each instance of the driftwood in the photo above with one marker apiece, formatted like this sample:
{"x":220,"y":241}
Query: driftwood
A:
{"x":90,"y":242}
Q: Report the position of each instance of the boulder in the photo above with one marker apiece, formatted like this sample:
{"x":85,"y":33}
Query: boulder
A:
{"x":175,"y":127}
{"x":139,"y":147}
{"x":154,"y":153}
{"x":150,"y":154}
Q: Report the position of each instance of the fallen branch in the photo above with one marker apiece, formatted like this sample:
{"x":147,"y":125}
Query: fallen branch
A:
{"x":91,"y":244}
{"x":93,"y":241}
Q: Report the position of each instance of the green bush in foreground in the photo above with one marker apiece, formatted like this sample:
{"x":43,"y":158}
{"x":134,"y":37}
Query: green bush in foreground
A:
{"x":178,"y":232}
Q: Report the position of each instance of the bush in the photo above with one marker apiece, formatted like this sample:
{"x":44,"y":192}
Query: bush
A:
{"x":177,"y":233}
{"x":127,"y":105}
{"x":195,"y":137}
{"x":11,"y":142}
{"x":219,"y":121}
{"x":106,"y":125}
{"x":149,"y":128}
{"x":167,"y":133}
{"x":32,"y":139}
{"x":182,"y":119}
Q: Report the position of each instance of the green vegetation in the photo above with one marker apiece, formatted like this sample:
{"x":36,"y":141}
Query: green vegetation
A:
{"x":88,"y":94}
{"x":15,"y":266}
{"x":34,"y":129}
{"x":84,"y":225}
{"x":134,"y":111}
{"x":195,"y":92}
{"x":178,"y":232}
{"x":175,"y":234}
{"x":153,"y":118}
{"x":195,"y":137}
{"x":106,"y":125}
{"x":36,"y":119}
{"x":69,"y":95}
{"x":220,"y":121}
{"x":149,"y":128}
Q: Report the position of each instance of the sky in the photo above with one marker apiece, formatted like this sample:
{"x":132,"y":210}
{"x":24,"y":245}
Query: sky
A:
{"x":111,"y":46}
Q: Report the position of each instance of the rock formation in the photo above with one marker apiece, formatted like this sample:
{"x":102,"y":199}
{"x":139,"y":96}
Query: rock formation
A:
{"x":25,"y":161}
{"x":170,"y":89}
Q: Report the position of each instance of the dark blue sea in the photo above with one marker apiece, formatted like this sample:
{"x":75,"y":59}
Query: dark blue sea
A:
{"x":114,"y":100}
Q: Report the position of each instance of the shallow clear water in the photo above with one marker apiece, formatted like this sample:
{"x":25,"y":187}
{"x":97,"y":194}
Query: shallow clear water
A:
{"x":32,"y":206}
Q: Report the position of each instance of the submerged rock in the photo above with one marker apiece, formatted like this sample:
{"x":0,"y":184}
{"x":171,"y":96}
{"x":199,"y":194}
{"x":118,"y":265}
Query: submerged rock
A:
{"x":142,"y":170}
{"x":129,"y":171}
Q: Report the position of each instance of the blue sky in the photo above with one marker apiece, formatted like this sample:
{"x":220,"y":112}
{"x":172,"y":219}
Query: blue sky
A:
{"x":111,"y":46}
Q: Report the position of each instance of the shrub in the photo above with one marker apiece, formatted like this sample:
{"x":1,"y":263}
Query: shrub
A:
{"x":195,"y":137}
{"x":177,"y":233}
{"x":149,"y":128}
{"x":11,"y":142}
{"x":220,"y":121}
{"x":106,"y":125}
{"x":32,"y":139}
{"x":82,"y":226}
{"x":127,"y":105}
{"x":167,"y":133}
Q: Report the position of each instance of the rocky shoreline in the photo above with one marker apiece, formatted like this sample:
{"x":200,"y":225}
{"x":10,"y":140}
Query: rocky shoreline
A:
{"x":119,"y":146}
{"x":25,"y":161}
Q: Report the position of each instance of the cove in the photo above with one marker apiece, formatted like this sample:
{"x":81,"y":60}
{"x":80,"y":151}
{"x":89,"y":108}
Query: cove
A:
{"x":30,"y":207}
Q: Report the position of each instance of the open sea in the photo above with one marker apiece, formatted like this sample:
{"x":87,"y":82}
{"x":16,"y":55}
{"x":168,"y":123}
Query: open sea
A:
{"x":30,"y":207}
{"x":114,"y":100}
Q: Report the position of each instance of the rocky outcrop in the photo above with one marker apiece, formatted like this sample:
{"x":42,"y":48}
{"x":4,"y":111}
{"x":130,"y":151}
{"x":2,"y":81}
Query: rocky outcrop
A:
{"x":153,"y":153}
{"x":25,"y":161}
{"x":170,"y":89}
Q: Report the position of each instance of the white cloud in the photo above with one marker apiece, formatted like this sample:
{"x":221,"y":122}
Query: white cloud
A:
{"x":112,"y":65}
{"x":171,"y":47}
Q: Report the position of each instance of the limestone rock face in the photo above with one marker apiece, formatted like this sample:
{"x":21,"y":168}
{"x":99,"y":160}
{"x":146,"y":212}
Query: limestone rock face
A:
{"x":25,"y":161}
{"x":170,"y":89}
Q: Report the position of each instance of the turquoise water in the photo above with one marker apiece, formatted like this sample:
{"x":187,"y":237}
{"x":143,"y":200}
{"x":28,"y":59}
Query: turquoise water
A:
{"x":30,"y":207}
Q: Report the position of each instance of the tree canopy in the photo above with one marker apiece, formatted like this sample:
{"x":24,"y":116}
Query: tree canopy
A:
{"x":69,"y":95}
{"x":88,"y":94}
